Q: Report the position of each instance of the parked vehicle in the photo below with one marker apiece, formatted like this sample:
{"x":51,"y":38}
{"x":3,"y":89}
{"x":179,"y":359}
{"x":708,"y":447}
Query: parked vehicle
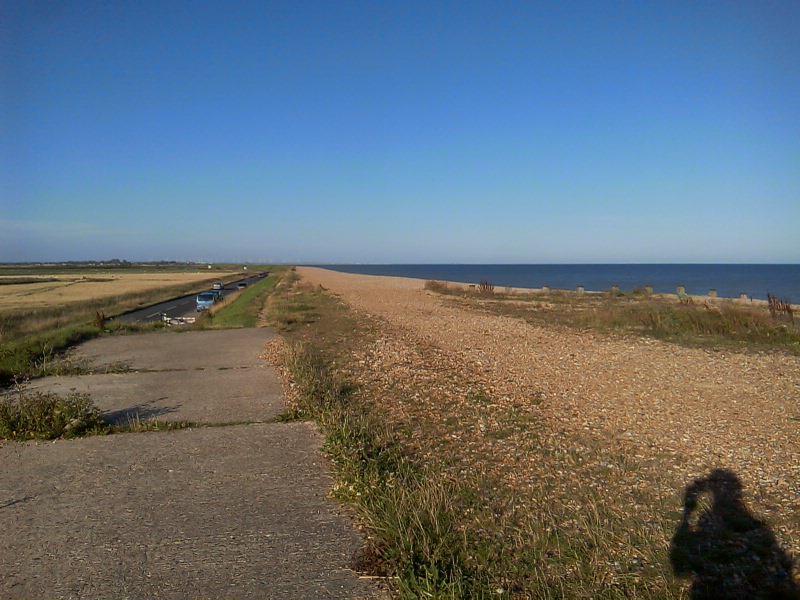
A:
{"x":206,"y":300}
{"x":241,"y":286}
{"x":217,"y":285}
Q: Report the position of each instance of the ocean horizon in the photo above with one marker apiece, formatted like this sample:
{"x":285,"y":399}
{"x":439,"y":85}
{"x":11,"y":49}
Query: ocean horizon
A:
{"x":728,"y":279}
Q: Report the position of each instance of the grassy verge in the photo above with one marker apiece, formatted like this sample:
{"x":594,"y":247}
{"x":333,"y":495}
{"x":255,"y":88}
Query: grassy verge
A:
{"x":447,"y":511}
{"x":292,"y":307}
{"x":244,"y":310}
{"x":38,"y":355}
{"x":716,"y":324}
{"x":412,"y":516}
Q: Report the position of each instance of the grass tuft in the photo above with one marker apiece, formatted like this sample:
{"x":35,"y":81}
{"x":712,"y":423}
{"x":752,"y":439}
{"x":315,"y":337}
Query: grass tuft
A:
{"x":436,"y":286}
{"x":47,"y":416}
{"x":486,"y":288}
{"x":135,"y":424}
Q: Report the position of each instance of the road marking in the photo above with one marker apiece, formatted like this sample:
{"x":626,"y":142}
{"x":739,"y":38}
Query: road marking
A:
{"x":161,"y":311}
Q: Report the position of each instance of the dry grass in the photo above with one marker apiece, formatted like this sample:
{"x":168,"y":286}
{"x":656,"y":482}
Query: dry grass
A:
{"x":720,"y":323}
{"x":436,"y":286}
{"x":60,"y":289}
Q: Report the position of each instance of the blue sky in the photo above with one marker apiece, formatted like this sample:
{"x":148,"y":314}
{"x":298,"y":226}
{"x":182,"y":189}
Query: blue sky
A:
{"x":401,"y":131}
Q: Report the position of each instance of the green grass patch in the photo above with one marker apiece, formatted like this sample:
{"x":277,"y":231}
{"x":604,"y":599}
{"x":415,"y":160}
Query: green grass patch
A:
{"x":244,"y":311}
{"x":294,"y":306}
{"x":34,"y":356}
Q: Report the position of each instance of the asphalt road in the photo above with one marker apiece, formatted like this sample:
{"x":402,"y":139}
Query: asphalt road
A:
{"x":177,"y":307}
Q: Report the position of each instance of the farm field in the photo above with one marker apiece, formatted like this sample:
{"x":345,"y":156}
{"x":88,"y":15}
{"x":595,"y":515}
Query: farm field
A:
{"x":48,"y":290}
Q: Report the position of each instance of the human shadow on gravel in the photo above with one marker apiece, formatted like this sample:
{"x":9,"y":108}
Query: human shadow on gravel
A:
{"x":728,"y":551}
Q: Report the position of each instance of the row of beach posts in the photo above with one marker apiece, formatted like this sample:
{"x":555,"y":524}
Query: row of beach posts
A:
{"x":648,"y":289}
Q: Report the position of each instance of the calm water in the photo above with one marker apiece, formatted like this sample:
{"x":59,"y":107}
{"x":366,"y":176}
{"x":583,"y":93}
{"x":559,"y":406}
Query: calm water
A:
{"x":729,"y":280}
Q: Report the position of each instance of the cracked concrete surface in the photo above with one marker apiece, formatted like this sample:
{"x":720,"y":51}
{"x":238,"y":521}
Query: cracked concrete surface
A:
{"x":215,"y":512}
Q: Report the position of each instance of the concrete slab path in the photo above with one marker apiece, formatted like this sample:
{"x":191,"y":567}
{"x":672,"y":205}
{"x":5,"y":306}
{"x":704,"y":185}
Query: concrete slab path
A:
{"x":236,"y":511}
{"x":198,"y":376}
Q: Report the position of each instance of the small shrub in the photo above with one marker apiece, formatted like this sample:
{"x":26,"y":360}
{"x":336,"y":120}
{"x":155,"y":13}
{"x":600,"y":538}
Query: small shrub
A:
{"x":46,"y":416}
{"x":436,"y":286}
{"x":485,"y":287}
{"x":780,"y":307}
{"x":100,"y":319}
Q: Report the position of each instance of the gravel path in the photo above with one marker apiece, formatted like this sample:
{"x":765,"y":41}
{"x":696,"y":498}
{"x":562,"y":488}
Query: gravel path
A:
{"x":697,"y":409}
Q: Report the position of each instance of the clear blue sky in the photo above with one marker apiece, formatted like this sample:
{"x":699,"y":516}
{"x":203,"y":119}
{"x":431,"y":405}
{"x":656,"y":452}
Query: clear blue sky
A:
{"x":401,"y":131}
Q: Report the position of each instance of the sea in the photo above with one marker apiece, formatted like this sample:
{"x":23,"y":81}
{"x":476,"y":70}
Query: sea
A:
{"x":730,"y":280}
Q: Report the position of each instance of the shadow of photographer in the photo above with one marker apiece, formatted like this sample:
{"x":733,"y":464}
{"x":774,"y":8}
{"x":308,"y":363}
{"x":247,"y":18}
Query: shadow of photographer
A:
{"x":729,"y":552}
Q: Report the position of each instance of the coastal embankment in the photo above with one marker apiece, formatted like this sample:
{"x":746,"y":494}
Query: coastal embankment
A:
{"x":585,"y":432}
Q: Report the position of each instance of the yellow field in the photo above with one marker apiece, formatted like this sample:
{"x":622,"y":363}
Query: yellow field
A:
{"x":68,"y":289}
